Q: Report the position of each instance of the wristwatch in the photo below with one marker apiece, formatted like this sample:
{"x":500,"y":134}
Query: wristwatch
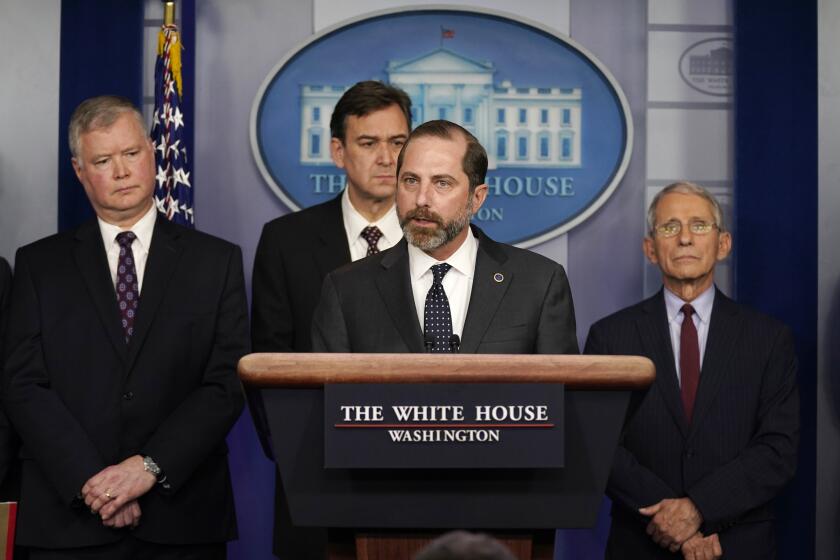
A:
{"x":150,"y":466}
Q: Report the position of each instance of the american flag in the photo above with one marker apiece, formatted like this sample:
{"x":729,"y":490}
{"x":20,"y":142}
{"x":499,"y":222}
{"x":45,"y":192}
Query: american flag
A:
{"x":173,"y":191}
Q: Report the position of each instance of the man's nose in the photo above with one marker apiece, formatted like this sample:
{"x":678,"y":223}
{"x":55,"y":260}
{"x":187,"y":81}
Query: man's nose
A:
{"x":386,"y":155}
{"x":423,"y":192}
{"x":685,"y":236}
{"x":121,"y":170}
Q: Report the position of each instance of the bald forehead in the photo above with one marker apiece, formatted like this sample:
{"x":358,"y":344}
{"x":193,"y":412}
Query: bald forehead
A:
{"x":456,"y":144}
{"x":683,"y":203}
{"x":103,"y":134}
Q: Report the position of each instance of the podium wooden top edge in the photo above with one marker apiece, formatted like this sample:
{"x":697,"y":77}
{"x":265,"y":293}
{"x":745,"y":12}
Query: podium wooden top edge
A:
{"x":309,"y":370}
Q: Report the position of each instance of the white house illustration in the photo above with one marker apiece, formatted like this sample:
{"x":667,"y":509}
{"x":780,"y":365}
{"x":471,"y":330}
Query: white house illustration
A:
{"x":519,"y":126}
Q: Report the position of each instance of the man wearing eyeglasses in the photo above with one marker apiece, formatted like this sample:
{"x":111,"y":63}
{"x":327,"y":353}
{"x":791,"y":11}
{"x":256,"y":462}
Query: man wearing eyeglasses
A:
{"x":714,"y":439}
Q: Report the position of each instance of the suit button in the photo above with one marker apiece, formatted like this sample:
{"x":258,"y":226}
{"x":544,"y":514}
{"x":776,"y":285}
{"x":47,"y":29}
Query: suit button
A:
{"x":128,"y":396}
{"x":689,"y":453}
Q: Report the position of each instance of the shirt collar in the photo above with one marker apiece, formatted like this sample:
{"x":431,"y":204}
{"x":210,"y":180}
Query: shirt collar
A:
{"x":702,"y":304}
{"x":354,"y":222}
{"x":462,"y":260}
{"x":143,"y":229}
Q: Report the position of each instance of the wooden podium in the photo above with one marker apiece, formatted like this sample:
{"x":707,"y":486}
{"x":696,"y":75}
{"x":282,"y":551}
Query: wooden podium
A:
{"x":392,"y":513}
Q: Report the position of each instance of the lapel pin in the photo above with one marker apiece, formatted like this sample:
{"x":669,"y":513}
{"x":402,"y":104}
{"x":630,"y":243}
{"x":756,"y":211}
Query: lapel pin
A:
{"x":499,"y":277}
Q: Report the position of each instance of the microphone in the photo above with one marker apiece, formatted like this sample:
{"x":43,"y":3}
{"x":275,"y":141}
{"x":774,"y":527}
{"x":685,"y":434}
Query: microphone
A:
{"x":429,"y":342}
{"x":455,"y":343}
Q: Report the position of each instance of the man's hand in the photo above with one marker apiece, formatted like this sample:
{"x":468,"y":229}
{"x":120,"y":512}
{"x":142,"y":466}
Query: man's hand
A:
{"x":113,"y":487}
{"x":673,"y":521}
{"x":699,"y":547}
{"x":126,"y":516}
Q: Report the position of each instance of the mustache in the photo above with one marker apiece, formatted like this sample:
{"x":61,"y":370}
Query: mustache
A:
{"x":422,"y":213}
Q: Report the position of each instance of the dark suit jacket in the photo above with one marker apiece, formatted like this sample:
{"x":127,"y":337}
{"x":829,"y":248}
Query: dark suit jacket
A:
{"x":295,"y":253}
{"x":82,"y":399}
{"x":8,"y":443}
{"x":368,"y":306}
{"x":740,"y":448}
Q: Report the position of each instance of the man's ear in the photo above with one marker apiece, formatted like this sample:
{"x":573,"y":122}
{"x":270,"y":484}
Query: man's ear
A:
{"x":649,"y":250}
{"x":77,"y":167}
{"x":479,"y":195}
{"x":724,"y":245}
{"x":337,"y":152}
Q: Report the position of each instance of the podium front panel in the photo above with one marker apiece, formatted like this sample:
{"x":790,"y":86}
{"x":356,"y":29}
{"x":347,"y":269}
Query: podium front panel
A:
{"x":566,"y":497}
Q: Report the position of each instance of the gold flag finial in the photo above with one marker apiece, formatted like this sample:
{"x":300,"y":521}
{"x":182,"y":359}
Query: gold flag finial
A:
{"x":168,"y":12}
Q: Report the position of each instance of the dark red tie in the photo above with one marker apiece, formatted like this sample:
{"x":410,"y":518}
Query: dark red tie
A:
{"x":689,"y":361}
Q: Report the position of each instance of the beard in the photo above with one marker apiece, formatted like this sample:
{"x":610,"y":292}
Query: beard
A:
{"x":428,"y":239}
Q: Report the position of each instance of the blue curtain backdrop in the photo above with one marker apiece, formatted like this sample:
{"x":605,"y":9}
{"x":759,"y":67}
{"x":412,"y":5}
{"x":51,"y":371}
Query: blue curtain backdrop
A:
{"x":776,"y":210}
{"x":101,"y":52}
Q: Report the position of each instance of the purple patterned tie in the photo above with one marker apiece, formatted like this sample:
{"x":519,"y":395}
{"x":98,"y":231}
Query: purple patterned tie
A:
{"x":371,"y":234}
{"x":128,"y":291}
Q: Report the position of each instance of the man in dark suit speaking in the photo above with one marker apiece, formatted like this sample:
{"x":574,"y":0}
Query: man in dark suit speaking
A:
{"x":122,"y":347}
{"x":446,"y":287}
{"x":714,"y":439}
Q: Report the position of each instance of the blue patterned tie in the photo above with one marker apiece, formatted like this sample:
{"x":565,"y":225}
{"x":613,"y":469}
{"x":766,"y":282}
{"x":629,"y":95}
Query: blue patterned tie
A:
{"x":437,"y":319}
{"x":128,"y":291}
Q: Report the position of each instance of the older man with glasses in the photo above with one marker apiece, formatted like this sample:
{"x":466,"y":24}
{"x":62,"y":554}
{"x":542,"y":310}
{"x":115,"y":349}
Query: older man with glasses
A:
{"x":714,"y":439}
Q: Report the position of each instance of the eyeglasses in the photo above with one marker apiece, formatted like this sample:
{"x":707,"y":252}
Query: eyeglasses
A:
{"x":674,"y":227}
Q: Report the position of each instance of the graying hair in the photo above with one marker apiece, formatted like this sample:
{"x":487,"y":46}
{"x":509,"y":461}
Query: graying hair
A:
{"x":97,"y":113}
{"x":684,"y":187}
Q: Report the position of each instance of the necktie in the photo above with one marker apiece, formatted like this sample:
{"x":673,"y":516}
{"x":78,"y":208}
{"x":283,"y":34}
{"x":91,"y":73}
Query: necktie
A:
{"x":689,"y":361}
{"x":128,"y":291}
{"x":371,"y":234}
{"x":436,"y":316}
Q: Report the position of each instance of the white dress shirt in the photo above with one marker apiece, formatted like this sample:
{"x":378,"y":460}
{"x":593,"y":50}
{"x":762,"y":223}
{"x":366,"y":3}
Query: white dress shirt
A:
{"x":354,"y":223}
{"x":702,"y":305}
{"x":457,"y":283}
{"x":140,"y":246}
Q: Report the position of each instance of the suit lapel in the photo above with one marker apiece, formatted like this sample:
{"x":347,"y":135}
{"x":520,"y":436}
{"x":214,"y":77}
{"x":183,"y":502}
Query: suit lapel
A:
{"x":332,"y":250}
{"x":724,"y":328}
{"x":394,"y":285}
{"x":656,"y":341}
{"x":487,"y":292}
{"x":160,"y":265}
{"x":93,"y":265}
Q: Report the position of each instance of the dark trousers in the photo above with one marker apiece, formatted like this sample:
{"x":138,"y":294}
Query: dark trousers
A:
{"x":130,"y":548}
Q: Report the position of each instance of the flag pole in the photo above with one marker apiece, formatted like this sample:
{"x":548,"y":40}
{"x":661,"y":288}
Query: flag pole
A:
{"x":168,"y":12}
{"x":174,"y":189}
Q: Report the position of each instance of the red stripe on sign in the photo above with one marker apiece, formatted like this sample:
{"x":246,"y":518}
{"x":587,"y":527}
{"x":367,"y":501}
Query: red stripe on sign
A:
{"x":443,"y":425}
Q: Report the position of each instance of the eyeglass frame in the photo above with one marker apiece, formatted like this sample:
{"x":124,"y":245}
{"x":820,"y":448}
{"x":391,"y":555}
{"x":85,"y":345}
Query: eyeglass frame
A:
{"x":706,"y":228}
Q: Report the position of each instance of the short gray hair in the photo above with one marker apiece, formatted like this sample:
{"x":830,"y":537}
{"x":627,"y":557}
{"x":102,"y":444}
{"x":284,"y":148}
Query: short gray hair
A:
{"x":684,"y":187}
{"x":97,"y":113}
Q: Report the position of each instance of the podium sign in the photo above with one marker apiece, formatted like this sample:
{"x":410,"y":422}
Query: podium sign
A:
{"x":436,"y":425}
